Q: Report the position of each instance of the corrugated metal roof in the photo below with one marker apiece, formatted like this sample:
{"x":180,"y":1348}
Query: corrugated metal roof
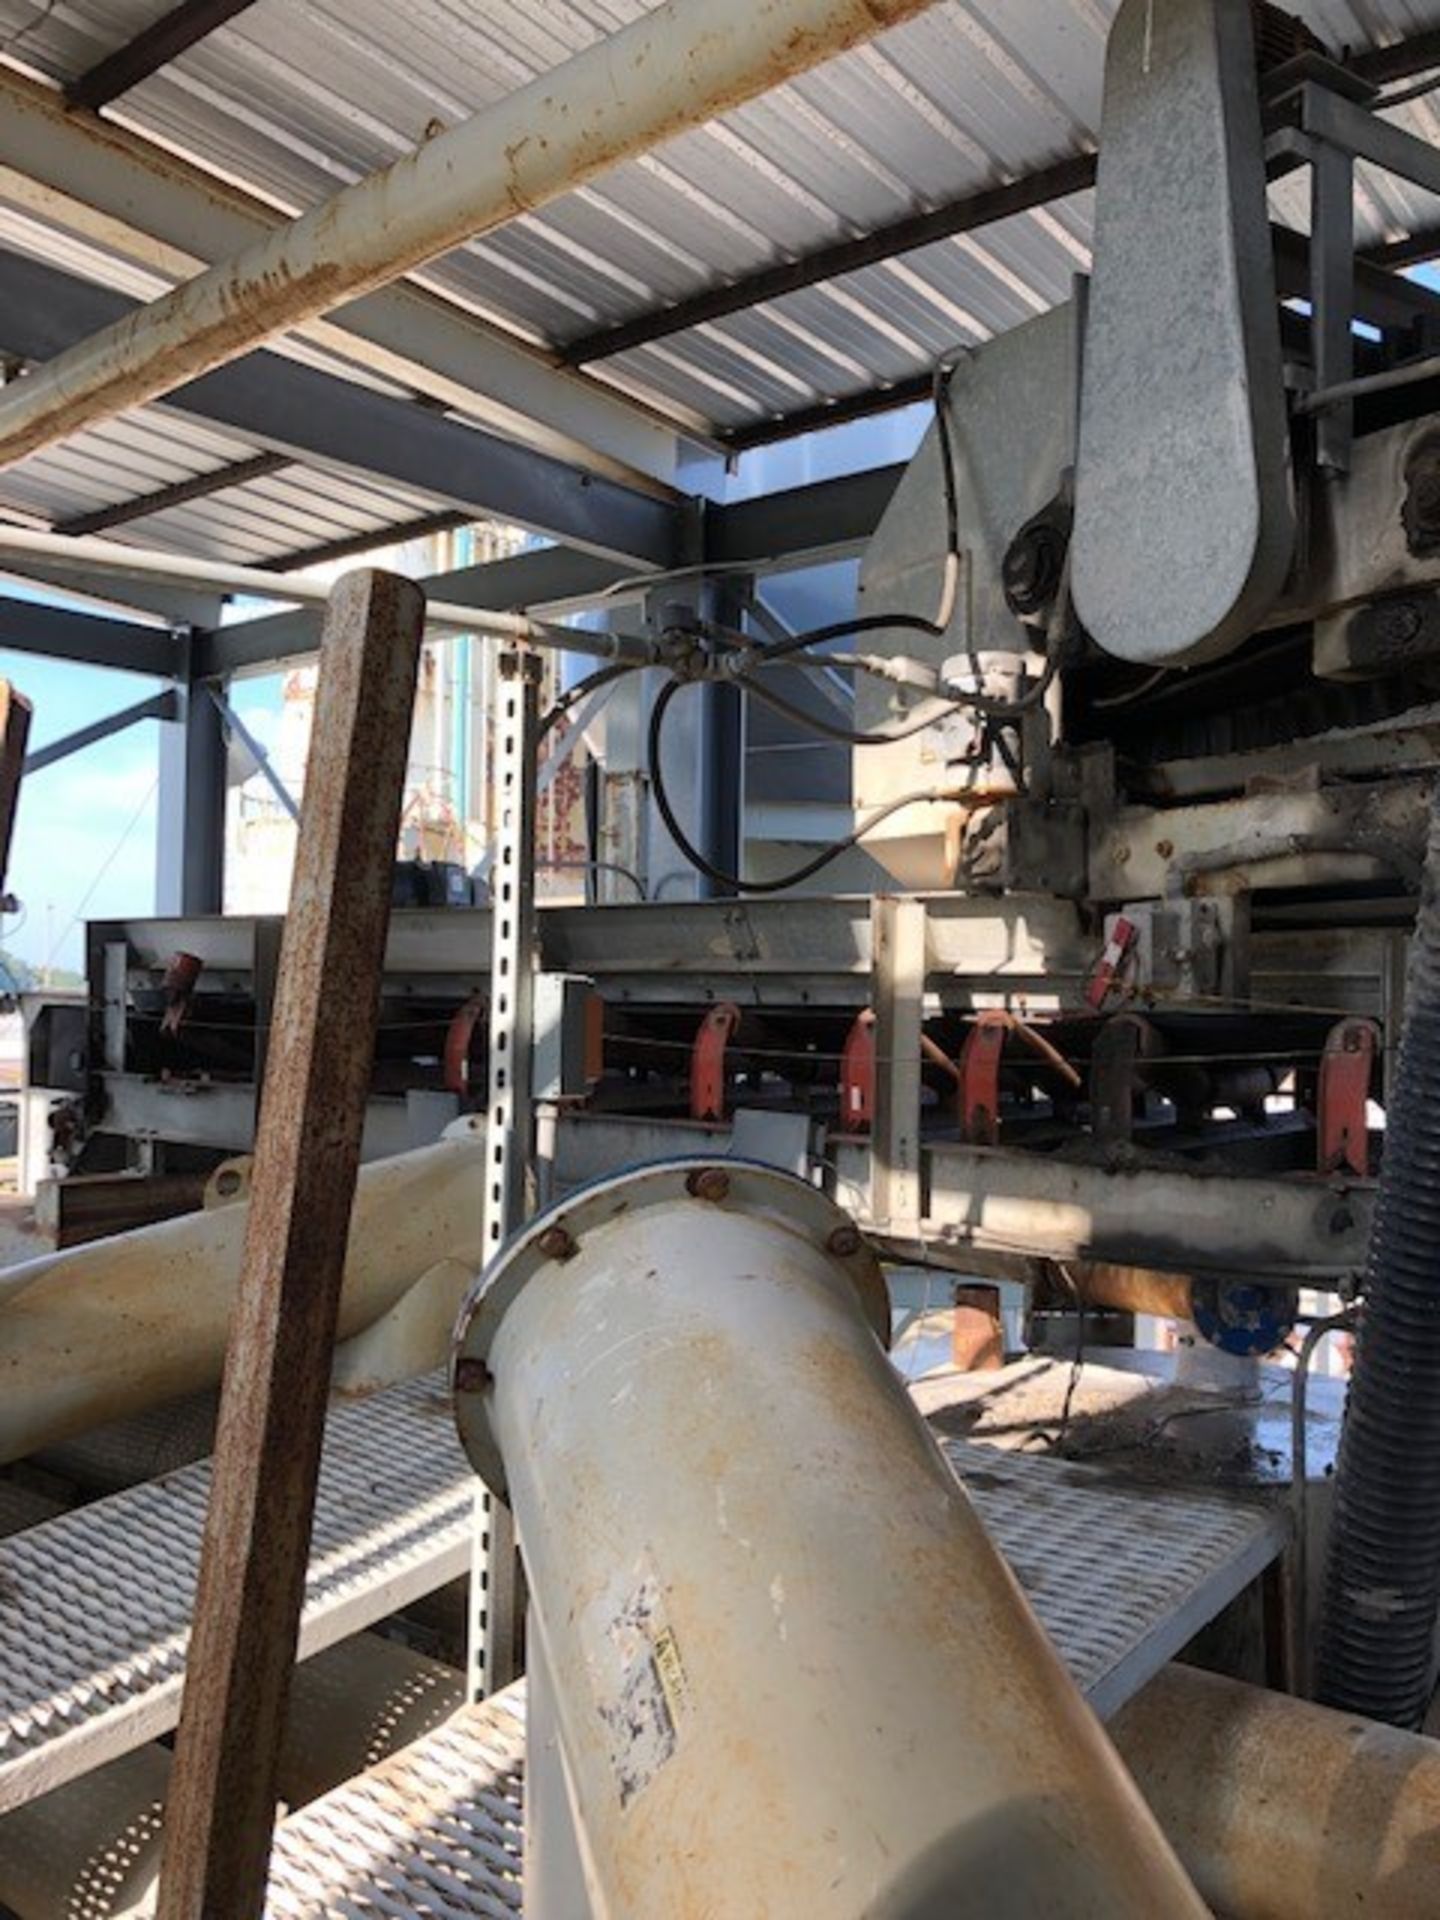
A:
{"x":293,"y":98}
{"x":263,"y":520}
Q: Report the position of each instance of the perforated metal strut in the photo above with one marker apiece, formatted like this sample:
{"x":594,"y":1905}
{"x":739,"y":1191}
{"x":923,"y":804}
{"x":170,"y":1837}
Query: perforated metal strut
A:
{"x":494,"y":1599}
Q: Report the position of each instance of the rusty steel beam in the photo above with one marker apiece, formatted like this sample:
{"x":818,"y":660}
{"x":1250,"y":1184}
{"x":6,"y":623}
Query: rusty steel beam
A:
{"x":153,"y":47}
{"x":277,"y":1373}
{"x":663,"y":73}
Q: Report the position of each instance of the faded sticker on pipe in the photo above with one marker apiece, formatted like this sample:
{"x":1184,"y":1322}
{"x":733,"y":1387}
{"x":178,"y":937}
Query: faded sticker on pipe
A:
{"x":642,"y":1691}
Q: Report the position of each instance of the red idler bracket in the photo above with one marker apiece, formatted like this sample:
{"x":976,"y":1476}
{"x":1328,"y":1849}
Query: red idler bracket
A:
{"x":857,"y":1075}
{"x":1346,"y":1069}
{"x":980,"y":1078}
{"x":458,"y":1038}
{"x":707,"y":1061}
{"x":181,"y":976}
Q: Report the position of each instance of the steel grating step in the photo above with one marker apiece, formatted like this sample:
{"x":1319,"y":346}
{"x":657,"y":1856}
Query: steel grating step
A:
{"x":433,"y":1833}
{"x":1122,"y":1576}
{"x":95,"y":1605}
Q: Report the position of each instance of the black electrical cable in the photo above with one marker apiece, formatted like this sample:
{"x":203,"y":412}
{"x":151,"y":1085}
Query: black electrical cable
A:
{"x":894,"y":622}
{"x":733,"y":880}
{"x":833,"y":730}
{"x":845,"y":630}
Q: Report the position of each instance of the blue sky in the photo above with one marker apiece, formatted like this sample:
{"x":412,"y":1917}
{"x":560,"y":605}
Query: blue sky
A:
{"x":94,"y":811}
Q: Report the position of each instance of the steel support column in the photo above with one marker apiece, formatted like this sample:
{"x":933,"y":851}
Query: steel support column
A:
{"x":190,"y":836}
{"x":900,"y":948}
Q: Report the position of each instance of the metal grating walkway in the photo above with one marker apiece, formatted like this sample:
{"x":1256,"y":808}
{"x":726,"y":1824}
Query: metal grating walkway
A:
{"x":95,"y":1605}
{"x":1121,"y":1574}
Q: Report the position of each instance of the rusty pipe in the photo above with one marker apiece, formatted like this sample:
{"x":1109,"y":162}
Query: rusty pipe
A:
{"x":110,"y":1328}
{"x":1101,"y":1283}
{"x":1239,"y":1316}
{"x":677,"y":66}
{"x":791,"y":1675}
{"x":1282,"y":1810}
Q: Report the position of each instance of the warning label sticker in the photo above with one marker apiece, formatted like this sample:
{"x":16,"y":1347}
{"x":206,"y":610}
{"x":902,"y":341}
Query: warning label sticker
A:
{"x":642,"y":1689}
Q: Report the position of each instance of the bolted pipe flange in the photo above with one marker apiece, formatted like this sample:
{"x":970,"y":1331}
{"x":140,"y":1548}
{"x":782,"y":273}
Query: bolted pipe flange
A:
{"x":709,"y":1183}
{"x":582,"y":1228}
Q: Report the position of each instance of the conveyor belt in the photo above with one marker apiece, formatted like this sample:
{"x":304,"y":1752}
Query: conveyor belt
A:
{"x":1121,"y":1575}
{"x":95,"y":1605}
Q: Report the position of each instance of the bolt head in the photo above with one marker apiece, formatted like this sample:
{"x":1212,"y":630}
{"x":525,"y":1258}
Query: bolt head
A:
{"x":709,"y":1183}
{"x":844,"y":1242}
{"x":557,"y":1244}
{"x":471,"y":1376}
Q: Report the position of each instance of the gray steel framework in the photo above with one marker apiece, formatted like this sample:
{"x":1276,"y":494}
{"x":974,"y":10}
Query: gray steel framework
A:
{"x":64,"y":634}
{"x":305,"y":414}
{"x":153,"y":47}
{"x":126,"y":194}
{"x":160,"y":706}
{"x":239,"y":473}
{"x":967,"y":213}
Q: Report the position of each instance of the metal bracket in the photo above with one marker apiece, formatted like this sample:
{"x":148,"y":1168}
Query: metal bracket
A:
{"x":707,"y":1061}
{"x":1124,"y":1045}
{"x":857,"y":1075}
{"x":1341,"y":1123}
{"x":980,"y":1079}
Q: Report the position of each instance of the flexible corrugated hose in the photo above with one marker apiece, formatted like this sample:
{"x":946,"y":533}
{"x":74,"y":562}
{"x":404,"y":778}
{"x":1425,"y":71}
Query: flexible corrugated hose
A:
{"x":1376,"y":1651}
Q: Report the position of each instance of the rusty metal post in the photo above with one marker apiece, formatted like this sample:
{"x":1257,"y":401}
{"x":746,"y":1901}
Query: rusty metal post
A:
{"x":272,"y":1410}
{"x":15,"y":714}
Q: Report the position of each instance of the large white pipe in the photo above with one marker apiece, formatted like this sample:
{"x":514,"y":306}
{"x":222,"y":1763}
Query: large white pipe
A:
{"x":1283,"y":1810}
{"x":791,"y":1674}
{"x":104,"y":1330}
{"x":677,"y":66}
{"x":109,"y":560}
